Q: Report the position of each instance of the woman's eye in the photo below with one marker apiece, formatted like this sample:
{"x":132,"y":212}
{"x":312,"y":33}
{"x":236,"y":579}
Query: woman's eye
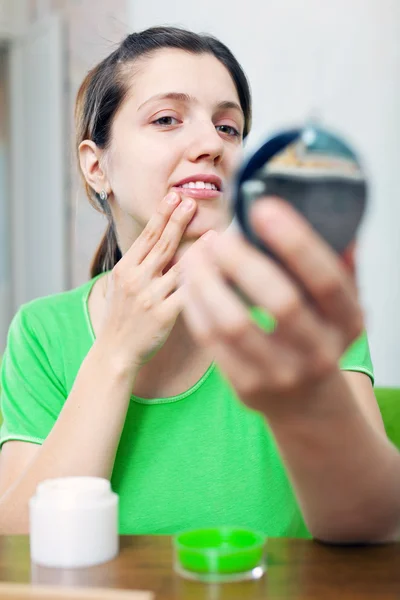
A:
{"x":165,"y":121}
{"x":229,"y":130}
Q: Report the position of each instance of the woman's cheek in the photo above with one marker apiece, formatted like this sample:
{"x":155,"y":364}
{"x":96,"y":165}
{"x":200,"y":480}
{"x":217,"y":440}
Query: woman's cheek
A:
{"x":234,"y":159}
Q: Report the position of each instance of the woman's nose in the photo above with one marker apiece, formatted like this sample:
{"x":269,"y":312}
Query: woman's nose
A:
{"x":206,"y":145}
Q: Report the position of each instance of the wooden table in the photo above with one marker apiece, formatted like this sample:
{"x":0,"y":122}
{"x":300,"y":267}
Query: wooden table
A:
{"x":297,"y":570}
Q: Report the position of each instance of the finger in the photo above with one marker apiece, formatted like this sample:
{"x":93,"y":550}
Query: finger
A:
{"x":253,"y":381}
{"x":195,"y":317}
{"x":245,"y":353}
{"x":314,"y":264}
{"x":216,"y":314}
{"x":173,"y":305}
{"x":159,"y":289}
{"x":259,"y":277}
{"x":165,"y":248}
{"x":153,"y":230}
{"x":266,"y":285}
{"x":208,"y":290}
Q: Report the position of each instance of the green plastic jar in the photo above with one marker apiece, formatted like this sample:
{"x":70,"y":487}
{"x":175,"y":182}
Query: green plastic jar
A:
{"x":220,"y":554}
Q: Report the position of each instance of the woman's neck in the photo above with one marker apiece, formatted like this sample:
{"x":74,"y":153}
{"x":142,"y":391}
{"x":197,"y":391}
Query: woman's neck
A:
{"x":176,"y":367}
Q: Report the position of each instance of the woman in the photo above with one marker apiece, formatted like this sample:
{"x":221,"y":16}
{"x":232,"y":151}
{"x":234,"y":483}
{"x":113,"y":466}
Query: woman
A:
{"x":119,"y":377}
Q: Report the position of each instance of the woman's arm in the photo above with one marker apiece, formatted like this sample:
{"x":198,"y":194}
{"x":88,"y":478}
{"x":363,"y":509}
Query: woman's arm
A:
{"x":345,"y":471}
{"x":142,"y":306}
{"x":83,"y":440}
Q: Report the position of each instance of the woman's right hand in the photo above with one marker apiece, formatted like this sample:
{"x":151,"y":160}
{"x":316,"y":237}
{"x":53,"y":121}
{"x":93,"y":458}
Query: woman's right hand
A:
{"x":142,"y":303}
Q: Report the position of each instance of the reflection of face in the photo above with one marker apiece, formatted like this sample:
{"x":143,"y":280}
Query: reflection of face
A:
{"x":158,"y":141}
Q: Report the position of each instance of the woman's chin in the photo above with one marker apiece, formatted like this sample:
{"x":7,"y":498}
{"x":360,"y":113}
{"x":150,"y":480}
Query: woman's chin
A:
{"x":199,"y":226}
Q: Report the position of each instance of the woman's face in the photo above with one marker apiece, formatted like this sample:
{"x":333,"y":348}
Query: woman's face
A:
{"x":180,"y":126}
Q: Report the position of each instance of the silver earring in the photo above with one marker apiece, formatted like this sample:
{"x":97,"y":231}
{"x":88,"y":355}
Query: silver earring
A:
{"x":103,"y":195}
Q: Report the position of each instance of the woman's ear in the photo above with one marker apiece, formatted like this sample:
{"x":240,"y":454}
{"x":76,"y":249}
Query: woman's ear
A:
{"x":89,"y":159}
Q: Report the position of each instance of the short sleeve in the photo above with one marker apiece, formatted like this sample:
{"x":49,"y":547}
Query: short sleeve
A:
{"x":358,"y":357}
{"x":32,"y":395}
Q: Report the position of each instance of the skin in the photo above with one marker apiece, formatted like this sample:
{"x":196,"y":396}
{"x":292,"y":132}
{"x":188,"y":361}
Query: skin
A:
{"x":166,"y":311}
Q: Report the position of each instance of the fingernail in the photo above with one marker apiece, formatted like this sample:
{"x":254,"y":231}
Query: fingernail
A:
{"x":172,"y":198}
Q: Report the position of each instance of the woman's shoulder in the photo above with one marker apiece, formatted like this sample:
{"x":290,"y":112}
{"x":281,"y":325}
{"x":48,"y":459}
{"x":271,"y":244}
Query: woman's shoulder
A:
{"x":51,"y":333}
{"x":55,"y":311}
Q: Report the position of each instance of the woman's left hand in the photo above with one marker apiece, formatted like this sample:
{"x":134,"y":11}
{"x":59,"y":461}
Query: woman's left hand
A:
{"x":315,"y":307}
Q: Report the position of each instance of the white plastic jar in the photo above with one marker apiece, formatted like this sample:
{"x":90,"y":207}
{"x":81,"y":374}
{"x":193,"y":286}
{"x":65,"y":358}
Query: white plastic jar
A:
{"x":73,"y":522}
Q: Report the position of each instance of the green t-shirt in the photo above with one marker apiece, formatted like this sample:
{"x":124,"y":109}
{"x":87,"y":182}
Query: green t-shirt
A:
{"x":198,"y":459}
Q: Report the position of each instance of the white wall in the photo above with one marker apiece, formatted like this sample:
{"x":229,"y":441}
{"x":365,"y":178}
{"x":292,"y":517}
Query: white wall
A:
{"x":5,"y":270}
{"x":13,"y":17}
{"x":38,"y":166}
{"x":342,"y":57}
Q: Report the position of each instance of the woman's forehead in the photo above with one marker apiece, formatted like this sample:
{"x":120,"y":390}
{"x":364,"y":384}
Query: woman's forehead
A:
{"x":200,"y":76}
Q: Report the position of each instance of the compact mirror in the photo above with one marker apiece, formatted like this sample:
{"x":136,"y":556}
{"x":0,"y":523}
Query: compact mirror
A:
{"x":315,"y":171}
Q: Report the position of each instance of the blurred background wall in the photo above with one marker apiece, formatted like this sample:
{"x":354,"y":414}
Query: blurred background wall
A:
{"x":5,"y":267}
{"x":339,"y":59}
{"x":90,"y":29}
{"x":93,"y":28}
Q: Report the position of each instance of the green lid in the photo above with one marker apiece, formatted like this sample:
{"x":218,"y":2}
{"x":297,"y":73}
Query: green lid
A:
{"x":220,"y":554}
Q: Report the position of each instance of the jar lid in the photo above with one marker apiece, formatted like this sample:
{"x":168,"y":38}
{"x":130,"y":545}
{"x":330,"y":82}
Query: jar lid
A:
{"x":72,"y":492}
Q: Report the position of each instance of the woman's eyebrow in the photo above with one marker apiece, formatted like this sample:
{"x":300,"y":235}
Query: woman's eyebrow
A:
{"x":181,"y":97}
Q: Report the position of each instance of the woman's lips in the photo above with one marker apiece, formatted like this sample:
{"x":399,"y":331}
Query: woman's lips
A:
{"x":196,"y":193}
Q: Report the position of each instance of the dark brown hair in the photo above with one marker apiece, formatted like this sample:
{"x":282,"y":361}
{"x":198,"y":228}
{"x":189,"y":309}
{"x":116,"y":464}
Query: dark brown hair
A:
{"x":104,"y":89}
